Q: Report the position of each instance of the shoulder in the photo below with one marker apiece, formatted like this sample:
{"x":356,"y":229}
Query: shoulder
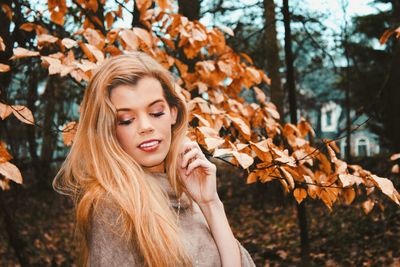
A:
{"x":108,"y":246}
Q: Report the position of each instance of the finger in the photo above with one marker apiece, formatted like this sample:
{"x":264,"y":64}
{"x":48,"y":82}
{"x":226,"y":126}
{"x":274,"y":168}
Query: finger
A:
{"x":188,"y":156}
{"x":189,"y":146}
{"x":197,"y":163}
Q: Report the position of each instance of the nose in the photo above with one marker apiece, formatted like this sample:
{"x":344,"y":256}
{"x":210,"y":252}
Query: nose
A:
{"x":145,"y":126}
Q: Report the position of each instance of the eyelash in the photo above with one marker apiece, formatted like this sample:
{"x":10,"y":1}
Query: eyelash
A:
{"x":127,"y":122}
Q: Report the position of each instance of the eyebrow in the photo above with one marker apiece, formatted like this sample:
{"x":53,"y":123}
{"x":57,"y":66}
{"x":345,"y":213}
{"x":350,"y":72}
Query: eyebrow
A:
{"x":149,"y":105}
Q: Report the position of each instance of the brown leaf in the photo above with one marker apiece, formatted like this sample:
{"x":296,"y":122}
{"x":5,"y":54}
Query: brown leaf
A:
{"x":348,"y":195}
{"x":386,"y":186}
{"x":2,"y":45}
{"x":395,"y":156}
{"x":23,"y":114}
{"x":68,"y":43}
{"x":299,"y":194}
{"x":11,"y":172}
{"x":28,"y":27}
{"x":130,"y":40}
{"x":68,"y":132}
{"x":5,"y":111}
{"x":163,"y":4}
{"x":4,"y":155}
{"x":252,"y":178}
{"x":8,"y":11}
{"x":368,"y":205}
{"x":4,"y":68}
{"x":20,"y":52}
{"x":395,"y":168}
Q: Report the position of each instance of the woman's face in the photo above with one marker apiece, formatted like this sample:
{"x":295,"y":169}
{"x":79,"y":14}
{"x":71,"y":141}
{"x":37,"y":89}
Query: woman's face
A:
{"x":143,"y":115}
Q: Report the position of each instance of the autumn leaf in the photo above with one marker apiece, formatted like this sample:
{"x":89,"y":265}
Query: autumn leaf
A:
{"x":226,"y":30}
{"x":68,"y":43}
{"x":5,"y":111}
{"x":299,"y":194}
{"x":4,"y":68}
{"x":4,"y":155}
{"x":368,"y":205}
{"x":163,"y":4}
{"x":57,"y":9}
{"x":251,"y":178}
{"x":23,"y":114}
{"x":348,"y":195}
{"x":386,"y":186}
{"x":68,"y":132}
{"x":288,"y":177}
{"x":11,"y":172}
{"x":2,"y":45}
{"x":395,"y":156}
{"x":28,"y":27}
{"x":20,"y":52}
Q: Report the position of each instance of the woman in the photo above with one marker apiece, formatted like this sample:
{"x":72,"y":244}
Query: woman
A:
{"x":144,"y":193}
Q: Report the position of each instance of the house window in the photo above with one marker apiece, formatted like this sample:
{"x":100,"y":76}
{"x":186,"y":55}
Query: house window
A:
{"x":330,"y":113}
{"x":328,"y":118}
{"x":362,"y":147}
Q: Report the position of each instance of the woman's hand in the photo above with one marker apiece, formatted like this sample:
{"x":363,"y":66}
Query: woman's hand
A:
{"x":198,"y":174}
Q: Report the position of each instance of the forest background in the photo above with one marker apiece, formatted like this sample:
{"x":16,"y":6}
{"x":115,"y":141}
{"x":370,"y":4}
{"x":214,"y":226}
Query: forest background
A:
{"x":257,"y":75}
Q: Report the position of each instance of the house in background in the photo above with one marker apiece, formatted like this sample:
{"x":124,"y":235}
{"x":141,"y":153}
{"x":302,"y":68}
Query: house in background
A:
{"x":330,"y":120}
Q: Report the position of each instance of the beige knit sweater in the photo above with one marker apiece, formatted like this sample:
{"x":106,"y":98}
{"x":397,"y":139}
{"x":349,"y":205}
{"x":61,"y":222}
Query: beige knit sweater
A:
{"x":107,"y":249}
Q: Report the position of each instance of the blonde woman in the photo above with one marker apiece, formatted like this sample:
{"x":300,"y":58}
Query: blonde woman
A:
{"x":145,"y":194}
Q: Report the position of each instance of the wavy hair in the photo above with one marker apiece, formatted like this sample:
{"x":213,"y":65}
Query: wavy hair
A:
{"x":97,"y":168}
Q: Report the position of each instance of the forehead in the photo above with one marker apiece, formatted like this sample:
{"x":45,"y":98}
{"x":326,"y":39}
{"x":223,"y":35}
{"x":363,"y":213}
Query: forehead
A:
{"x":137,"y":96}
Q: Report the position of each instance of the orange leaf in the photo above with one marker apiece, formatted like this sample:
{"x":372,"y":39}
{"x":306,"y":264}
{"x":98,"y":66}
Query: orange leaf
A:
{"x":11,"y":172}
{"x":348,"y":195}
{"x":68,"y":43}
{"x":395,"y":168}
{"x":130,"y":40}
{"x":163,"y":4}
{"x":252,"y":178}
{"x":28,"y":27}
{"x":288,"y":177}
{"x":4,"y":155}
{"x":2,"y":45}
{"x":23,"y":114}
{"x":7,"y":10}
{"x":68,"y":132}
{"x":4,"y":68}
{"x":368,"y":205}
{"x":386,"y":186}
{"x":395,"y":156}
{"x":20,"y":52}
{"x":5,"y":111}
{"x":244,"y":160}
{"x":299,"y":194}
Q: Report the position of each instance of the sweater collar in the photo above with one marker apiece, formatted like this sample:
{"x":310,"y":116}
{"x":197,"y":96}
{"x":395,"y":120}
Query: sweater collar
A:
{"x":166,"y":186}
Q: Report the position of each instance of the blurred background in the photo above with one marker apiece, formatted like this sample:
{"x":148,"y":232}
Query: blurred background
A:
{"x":346,"y":74}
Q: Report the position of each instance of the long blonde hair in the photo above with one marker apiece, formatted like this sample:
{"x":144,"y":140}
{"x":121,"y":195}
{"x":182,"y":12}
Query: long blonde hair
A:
{"x":98,"y":168}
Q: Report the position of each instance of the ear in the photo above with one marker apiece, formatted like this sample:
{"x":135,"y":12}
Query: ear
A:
{"x":174,"y":115}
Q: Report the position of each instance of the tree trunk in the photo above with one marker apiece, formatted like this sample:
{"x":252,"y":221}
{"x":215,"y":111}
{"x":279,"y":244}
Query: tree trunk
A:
{"x":272,"y":62}
{"x":49,"y":138}
{"x":191,"y":10}
{"x":301,"y":208}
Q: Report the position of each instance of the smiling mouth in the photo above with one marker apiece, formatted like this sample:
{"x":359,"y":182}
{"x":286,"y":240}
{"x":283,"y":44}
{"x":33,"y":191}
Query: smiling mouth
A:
{"x":151,"y":147}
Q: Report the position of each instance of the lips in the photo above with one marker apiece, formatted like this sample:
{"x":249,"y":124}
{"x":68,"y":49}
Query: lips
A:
{"x":149,"y":141}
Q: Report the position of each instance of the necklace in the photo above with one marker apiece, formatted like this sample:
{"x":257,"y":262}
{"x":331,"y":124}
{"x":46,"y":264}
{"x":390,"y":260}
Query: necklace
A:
{"x":177,"y":220}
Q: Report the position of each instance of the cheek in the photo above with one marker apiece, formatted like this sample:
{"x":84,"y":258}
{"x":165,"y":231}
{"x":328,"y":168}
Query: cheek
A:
{"x":123,"y":137}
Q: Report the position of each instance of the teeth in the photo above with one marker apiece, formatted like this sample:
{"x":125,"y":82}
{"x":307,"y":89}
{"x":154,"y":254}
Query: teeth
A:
{"x":150,"y":144}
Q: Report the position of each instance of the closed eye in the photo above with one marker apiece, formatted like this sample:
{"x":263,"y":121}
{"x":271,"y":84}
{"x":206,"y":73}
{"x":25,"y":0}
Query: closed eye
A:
{"x":127,"y":122}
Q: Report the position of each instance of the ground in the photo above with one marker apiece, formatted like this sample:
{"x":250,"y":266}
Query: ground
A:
{"x":265,"y":224}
